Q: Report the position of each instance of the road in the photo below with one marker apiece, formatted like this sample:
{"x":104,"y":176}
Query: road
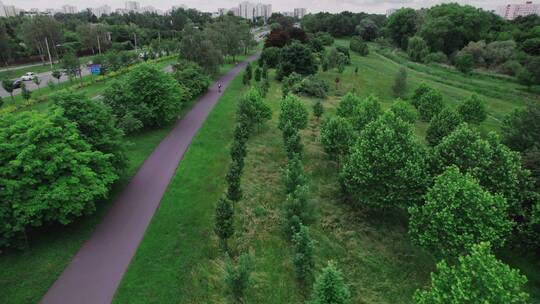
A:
{"x":94,"y":273}
{"x":44,"y":77}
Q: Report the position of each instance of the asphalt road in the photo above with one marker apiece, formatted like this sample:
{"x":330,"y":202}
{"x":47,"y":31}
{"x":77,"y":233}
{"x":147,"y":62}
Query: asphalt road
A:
{"x":44,"y":77}
{"x":96,"y":270}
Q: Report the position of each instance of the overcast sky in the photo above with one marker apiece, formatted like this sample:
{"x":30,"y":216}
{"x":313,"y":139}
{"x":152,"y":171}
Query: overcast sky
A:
{"x":371,"y":6}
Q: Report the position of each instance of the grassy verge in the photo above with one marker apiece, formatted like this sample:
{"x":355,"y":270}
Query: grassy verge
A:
{"x":46,"y":67}
{"x":179,"y":259}
{"x":27,"y":275}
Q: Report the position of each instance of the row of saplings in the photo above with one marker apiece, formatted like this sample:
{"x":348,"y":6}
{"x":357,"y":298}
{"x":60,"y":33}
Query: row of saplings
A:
{"x":465,"y":194}
{"x":55,"y":166}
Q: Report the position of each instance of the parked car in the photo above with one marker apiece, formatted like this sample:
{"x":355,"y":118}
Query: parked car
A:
{"x":17,"y":83}
{"x":28,"y":76}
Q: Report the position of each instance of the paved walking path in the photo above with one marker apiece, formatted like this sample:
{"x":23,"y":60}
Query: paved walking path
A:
{"x":96,"y":270}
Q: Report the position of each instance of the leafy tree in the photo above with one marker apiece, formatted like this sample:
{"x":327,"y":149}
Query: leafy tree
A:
{"x":293,"y":112}
{"x":37,"y":81}
{"x":400,"y":83}
{"x":297,"y":58}
{"x":337,"y":137}
{"x":257,"y":75}
{"x":318,"y":109}
{"x":246,"y":79}
{"x":473,"y":110}
{"x":292,"y":141}
{"x":252,"y":109}
{"x":54,"y":175}
{"x":464,"y":62}
{"x":192,"y":78}
{"x":26,"y":94}
{"x":525,"y":77}
{"x":441,"y":125}
{"x":358,"y":45}
{"x":367,"y":111}
{"x":8,"y":85}
{"x":325,"y":38}
{"x":404,"y":111}
{"x":270,"y":57}
{"x":417,"y":49}
{"x":238,"y":277}
{"x":478,"y":277}
{"x":347,"y":105}
{"x":521,"y":128}
{"x":57,"y":74}
{"x":249,"y":71}
{"x":304,"y":260}
{"x":430,"y":104}
{"x":293,"y":174}
{"x":265,"y":71}
{"x":96,"y":124}
{"x":197,"y":46}
{"x":311,"y":86}
{"x":330,"y":287}
{"x":147,"y":94}
{"x":387,"y":166}
{"x":402,"y":25}
{"x":1,"y":102}
{"x":224,"y":221}
{"x":367,"y":29}
{"x":297,"y":210}
{"x":289,"y":82}
{"x":234,"y":190}
{"x":420,"y":91}
{"x":458,"y":213}
{"x":71,"y":65}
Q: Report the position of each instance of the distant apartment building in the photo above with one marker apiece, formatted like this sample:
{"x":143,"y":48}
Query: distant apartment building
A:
{"x":132,"y":6}
{"x":300,"y":12}
{"x":288,"y":14}
{"x":148,"y":9}
{"x":101,"y":10}
{"x":249,"y":10}
{"x":2,"y":10}
{"x":389,"y":12}
{"x":11,"y":11}
{"x":512,"y":11}
{"x":69,"y":9}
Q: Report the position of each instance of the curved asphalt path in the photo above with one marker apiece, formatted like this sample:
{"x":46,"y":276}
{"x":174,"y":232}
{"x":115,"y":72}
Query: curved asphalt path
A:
{"x":96,"y":270}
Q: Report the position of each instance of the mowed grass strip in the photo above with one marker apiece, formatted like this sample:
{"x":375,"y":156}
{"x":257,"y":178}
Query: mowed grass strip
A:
{"x":175,"y":261}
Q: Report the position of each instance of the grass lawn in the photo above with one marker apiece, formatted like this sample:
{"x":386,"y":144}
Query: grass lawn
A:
{"x":27,"y":275}
{"x":179,"y":260}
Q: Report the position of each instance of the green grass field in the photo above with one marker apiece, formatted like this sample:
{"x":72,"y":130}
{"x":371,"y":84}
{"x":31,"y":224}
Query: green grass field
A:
{"x":26,"y":275}
{"x":179,"y":260}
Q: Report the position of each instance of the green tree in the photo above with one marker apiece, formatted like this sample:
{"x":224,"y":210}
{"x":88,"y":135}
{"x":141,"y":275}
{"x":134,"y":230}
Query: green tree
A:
{"x":297,"y":210}
{"x":54,"y":175}
{"x":304,"y":259}
{"x":400,"y":83}
{"x":289,"y":82}
{"x":246,"y":80}
{"x":37,"y":81}
{"x":330,"y":287}
{"x":26,"y":94}
{"x":387,"y":166}
{"x":337,"y":137}
{"x":402,"y":25}
{"x":347,"y":105}
{"x":367,"y":111}
{"x":430,"y":104}
{"x":441,"y":125}
{"x":191,"y":78}
{"x":238,"y":277}
{"x":292,"y":141}
{"x":297,"y":58}
{"x":147,"y":94}
{"x":234,"y":190}
{"x":293,"y":112}
{"x":197,"y":46}
{"x":252,"y":110}
{"x":521,"y":128}
{"x":318,"y":109}
{"x":257,"y":76}
{"x":478,"y":277}
{"x":249,"y":71}
{"x":96,"y":123}
{"x":464,"y":62}
{"x":293,"y":174}
{"x":265,"y":71}
{"x":458,"y":213}
{"x":224,"y":221}
{"x":417,"y":49}
{"x":525,"y":77}
{"x":359,"y":46}
{"x":367,"y":29}
{"x":270,"y":57}
{"x":473,"y":110}
{"x":404,"y":111}
{"x":57,"y":74}
{"x":71,"y":65}
{"x":420,"y":91}
{"x":8,"y":85}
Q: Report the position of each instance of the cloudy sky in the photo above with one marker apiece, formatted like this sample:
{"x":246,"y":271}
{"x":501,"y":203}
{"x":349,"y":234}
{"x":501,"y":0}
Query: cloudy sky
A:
{"x":371,"y":6}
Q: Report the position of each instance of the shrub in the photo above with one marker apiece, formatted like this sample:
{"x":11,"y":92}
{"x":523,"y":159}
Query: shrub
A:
{"x":252,"y":110}
{"x":367,"y":111}
{"x":498,"y":52}
{"x":511,"y":68}
{"x":293,"y":175}
{"x":387,"y":166}
{"x":437,"y":57}
{"x":325,"y":38}
{"x":289,"y":82}
{"x":337,"y":137}
{"x":292,"y":141}
{"x":458,"y":213}
{"x":464,"y":62}
{"x":238,"y":278}
{"x":347,"y":104}
{"x":297,"y":58}
{"x":400,"y":83}
{"x":417,"y":49}
{"x":477,"y":278}
{"x":473,"y":110}
{"x":303,"y":259}
{"x":192,"y":78}
{"x":404,"y":111}
{"x":270,"y":57}
{"x":330,"y":288}
{"x":224,"y":221}
{"x":359,"y":46}
{"x":297,"y":210}
{"x":312,"y":86}
{"x":234,"y":190}
{"x":441,"y":125}
{"x":318,"y":109}
{"x":420,"y":91}
{"x":293,"y":112}
{"x":54,"y":175}
{"x":430,"y":104}
{"x":257,"y":74}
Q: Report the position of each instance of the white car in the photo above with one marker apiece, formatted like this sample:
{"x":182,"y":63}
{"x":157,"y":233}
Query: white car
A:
{"x":28,"y":76}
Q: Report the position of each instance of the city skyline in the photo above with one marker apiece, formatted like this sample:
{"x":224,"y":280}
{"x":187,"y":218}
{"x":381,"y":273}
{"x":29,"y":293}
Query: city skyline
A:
{"x":370,"y":6}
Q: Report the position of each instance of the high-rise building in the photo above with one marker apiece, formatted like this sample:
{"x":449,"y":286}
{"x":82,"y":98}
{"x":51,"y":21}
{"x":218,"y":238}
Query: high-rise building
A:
{"x":2,"y":10}
{"x":390,"y":11}
{"x":102,"y":10}
{"x":132,"y":6}
{"x":251,"y":11}
{"x":69,"y":9}
{"x":512,"y":11}
{"x":300,"y":12}
{"x":11,"y":11}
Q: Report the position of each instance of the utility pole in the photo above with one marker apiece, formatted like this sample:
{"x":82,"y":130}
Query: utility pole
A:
{"x":48,"y":51}
{"x":98,"y":45}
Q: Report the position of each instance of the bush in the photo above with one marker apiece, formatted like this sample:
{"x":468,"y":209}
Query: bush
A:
{"x":297,"y":211}
{"x":420,"y":91}
{"x":252,"y":110}
{"x":312,"y":86}
{"x":293,"y":174}
{"x":270,"y":57}
{"x":325,"y":38}
{"x":238,"y":278}
{"x":458,"y":213}
{"x":404,"y":111}
{"x":430,"y":104}
{"x":192,"y":78}
{"x":293,"y":112}
{"x":441,"y":125}
{"x":289,"y":82}
{"x":347,"y":104}
{"x":400,"y":83}
{"x":359,"y":46}
{"x":477,"y":278}
{"x":437,"y":57}
{"x":417,"y":49}
{"x":511,"y":68}
{"x":147,"y":94}
{"x":330,"y":288}
{"x":464,"y":62}
{"x":96,"y":124}
{"x":303,"y":259}
{"x":318,"y":109}
{"x":224,"y":221}
{"x":337,"y":137}
{"x":473,"y":110}
{"x":367,"y":111}
{"x":54,"y":175}
{"x":297,"y":58}
{"x":386,"y":166}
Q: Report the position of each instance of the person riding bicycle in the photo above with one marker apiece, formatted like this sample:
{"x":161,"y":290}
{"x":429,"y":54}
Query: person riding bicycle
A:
{"x":219,"y":87}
